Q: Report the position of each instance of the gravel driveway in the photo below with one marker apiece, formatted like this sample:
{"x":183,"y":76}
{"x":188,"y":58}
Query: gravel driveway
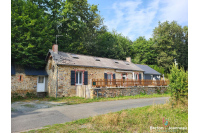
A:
{"x":33,"y":105}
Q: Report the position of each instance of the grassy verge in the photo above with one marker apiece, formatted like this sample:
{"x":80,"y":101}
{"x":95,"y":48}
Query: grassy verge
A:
{"x":129,"y":120}
{"x":78,"y":100}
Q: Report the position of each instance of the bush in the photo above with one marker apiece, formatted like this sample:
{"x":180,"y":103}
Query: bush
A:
{"x":178,"y":83}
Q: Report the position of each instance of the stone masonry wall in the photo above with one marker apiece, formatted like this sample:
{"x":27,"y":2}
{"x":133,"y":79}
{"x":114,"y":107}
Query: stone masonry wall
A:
{"x":129,"y":91}
{"x":27,"y":84}
{"x":51,"y":70}
{"x":64,"y":77}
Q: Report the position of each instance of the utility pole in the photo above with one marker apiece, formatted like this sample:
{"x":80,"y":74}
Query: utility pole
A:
{"x":57,"y":36}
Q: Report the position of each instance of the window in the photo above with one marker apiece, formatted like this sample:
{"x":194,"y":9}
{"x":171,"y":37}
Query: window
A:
{"x":41,"y":79}
{"x":124,"y":76}
{"x":20,"y":78}
{"x":109,"y":76}
{"x":79,"y":78}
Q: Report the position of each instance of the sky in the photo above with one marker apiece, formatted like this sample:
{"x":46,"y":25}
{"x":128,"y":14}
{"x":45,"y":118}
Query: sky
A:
{"x":134,"y":18}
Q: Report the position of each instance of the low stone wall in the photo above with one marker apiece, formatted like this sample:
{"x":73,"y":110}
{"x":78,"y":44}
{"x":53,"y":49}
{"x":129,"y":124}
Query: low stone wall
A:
{"x":128,"y":91}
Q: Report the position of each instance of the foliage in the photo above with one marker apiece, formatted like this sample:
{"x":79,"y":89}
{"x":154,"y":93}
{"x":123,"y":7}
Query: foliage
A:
{"x":143,"y":51}
{"x":30,"y":95}
{"x":157,"y":68}
{"x":31,"y":34}
{"x":170,"y":43}
{"x":35,"y":23}
{"x":16,"y":96}
{"x":178,"y":83}
{"x":112,"y":45}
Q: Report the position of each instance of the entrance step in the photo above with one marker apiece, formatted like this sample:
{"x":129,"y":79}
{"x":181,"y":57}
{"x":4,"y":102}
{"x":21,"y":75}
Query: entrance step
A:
{"x":41,"y":94}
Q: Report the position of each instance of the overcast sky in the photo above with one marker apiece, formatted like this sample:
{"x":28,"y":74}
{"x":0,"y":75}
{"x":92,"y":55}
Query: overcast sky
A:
{"x":134,"y":18}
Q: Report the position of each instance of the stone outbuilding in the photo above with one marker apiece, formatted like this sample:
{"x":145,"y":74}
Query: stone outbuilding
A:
{"x":30,"y":80}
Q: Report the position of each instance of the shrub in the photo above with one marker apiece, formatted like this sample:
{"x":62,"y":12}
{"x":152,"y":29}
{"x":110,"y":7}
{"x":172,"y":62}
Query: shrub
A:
{"x":178,"y":83}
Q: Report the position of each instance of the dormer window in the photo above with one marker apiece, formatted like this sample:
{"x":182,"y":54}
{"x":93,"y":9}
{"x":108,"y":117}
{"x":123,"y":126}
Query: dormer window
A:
{"x":74,"y":56}
{"x":116,"y":62}
{"x":97,"y":59}
{"x":127,"y":63}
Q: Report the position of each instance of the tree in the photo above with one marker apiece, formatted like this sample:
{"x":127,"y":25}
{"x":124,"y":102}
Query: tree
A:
{"x":31,"y":34}
{"x":168,"y":38}
{"x":80,"y":25}
{"x":178,"y":83}
{"x":143,"y":51}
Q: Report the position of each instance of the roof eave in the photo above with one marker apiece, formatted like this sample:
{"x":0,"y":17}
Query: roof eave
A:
{"x":102,"y":67}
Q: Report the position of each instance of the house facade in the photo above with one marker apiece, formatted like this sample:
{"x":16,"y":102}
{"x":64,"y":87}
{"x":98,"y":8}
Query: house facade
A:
{"x":67,"y":71}
{"x":30,"y":80}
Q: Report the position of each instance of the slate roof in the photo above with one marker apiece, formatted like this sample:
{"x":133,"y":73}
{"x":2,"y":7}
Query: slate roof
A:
{"x":64,"y":58}
{"x":147,"y":69}
{"x":33,"y":71}
{"x":12,"y":70}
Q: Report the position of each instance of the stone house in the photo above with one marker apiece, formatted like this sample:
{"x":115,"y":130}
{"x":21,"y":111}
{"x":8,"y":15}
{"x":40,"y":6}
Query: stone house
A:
{"x":66,"y":74}
{"x":30,"y":80}
{"x":67,"y":71}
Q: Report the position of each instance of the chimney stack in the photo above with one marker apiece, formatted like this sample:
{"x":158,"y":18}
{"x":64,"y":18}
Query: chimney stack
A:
{"x":55,"y":48}
{"x":128,"y":59}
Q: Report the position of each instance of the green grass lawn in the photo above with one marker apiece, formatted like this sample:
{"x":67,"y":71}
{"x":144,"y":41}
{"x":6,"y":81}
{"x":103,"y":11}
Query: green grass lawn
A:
{"x":129,"y":120}
{"x":79,"y":100}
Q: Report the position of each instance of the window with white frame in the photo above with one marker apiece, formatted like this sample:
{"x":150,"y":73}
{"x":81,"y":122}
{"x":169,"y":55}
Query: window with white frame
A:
{"x":124,"y":76}
{"x":109,"y":76}
{"x":79,"y":78}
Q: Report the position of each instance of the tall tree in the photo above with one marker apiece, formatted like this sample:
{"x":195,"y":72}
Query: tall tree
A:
{"x":80,"y":25}
{"x":31,"y":34}
{"x":144,"y":51}
{"x":168,"y":38}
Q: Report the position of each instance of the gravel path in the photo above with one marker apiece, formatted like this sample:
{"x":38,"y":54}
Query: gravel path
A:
{"x":33,"y":105}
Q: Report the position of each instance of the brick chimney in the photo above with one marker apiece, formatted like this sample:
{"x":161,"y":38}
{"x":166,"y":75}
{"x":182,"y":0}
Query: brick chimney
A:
{"x":55,"y":48}
{"x":128,"y":59}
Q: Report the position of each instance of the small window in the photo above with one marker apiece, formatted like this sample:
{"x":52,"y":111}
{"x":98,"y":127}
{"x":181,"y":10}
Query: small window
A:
{"x":20,"y":78}
{"x":116,"y":61}
{"x":74,"y":56}
{"x":41,"y":79}
{"x":97,"y":59}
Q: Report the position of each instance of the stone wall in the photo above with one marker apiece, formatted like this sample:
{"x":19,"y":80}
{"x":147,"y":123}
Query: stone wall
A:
{"x":51,"y":70}
{"x":64,"y":78}
{"x":128,"y":91}
{"x":27,"y":84}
